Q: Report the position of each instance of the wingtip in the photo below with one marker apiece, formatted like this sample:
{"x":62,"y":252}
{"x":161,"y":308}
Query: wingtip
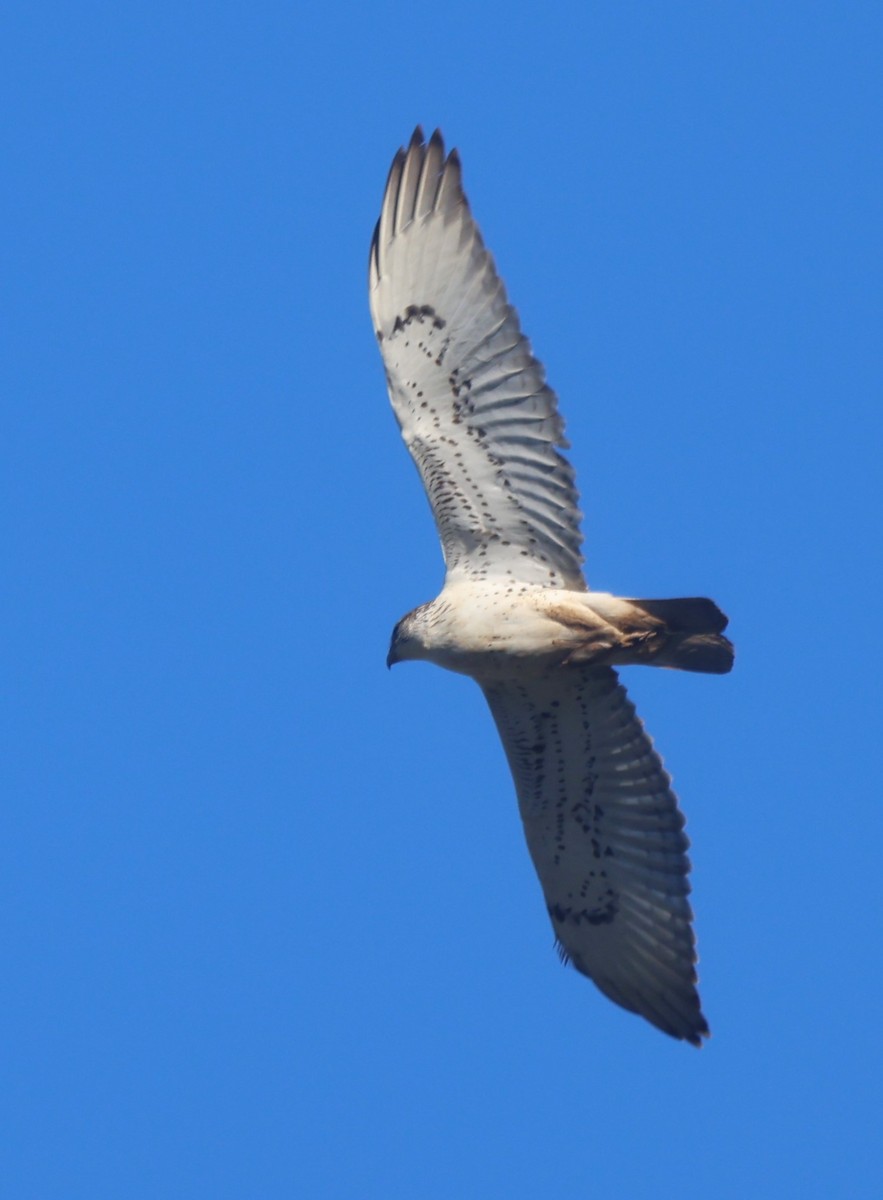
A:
{"x":698,"y":1036}
{"x":435,"y":142}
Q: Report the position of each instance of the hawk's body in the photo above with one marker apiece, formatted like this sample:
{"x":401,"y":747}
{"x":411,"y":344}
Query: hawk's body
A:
{"x":602,"y":823}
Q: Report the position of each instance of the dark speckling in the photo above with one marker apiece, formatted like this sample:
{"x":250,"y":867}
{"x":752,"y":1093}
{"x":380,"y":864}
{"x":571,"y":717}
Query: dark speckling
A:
{"x":419,"y":313}
{"x":602,"y":914}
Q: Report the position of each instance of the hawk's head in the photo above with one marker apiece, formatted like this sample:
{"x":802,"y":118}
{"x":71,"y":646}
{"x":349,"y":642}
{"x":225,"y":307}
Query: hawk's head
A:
{"x":408,"y":638}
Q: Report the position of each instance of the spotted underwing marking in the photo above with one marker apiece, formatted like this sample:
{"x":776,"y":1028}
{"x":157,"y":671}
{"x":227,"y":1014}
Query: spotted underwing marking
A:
{"x":419,"y":313}
{"x":601,"y":914}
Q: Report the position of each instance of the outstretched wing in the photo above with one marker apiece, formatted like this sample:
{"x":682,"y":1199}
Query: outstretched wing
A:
{"x":606,"y":837}
{"x":470,"y":398}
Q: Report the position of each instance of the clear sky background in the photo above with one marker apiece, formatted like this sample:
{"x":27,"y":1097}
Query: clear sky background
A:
{"x":269,"y":925}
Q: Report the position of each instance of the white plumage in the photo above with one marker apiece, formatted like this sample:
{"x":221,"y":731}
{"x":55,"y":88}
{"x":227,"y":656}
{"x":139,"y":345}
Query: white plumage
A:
{"x":602,"y":823}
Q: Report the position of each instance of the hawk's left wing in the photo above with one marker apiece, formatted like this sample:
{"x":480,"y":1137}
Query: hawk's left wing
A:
{"x":606,"y":837}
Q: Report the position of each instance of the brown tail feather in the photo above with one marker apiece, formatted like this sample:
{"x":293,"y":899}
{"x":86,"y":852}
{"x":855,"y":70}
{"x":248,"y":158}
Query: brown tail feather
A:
{"x":695,"y":625}
{"x":707,"y":652}
{"x":690,"y":614}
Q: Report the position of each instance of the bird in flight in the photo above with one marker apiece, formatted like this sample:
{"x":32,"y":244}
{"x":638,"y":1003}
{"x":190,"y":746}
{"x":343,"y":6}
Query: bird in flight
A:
{"x":601,"y":820}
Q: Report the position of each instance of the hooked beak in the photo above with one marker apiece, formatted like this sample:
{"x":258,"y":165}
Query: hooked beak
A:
{"x":391,"y":658}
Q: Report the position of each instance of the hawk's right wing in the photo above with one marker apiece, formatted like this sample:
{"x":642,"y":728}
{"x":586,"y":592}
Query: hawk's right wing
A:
{"x":470,"y":398}
{"x":606,"y":837}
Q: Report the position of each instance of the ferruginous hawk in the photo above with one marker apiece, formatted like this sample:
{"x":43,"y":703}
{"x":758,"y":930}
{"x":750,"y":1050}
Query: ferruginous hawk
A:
{"x":602,"y":822}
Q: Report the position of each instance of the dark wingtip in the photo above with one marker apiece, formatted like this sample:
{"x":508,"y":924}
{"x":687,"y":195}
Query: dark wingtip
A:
{"x":697,"y":1037}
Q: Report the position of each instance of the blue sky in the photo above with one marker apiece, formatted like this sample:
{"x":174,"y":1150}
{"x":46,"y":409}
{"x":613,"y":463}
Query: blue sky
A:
{"x":270,"y":928}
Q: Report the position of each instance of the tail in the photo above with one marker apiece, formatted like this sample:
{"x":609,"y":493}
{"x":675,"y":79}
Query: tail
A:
{"x":695,"y":627}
